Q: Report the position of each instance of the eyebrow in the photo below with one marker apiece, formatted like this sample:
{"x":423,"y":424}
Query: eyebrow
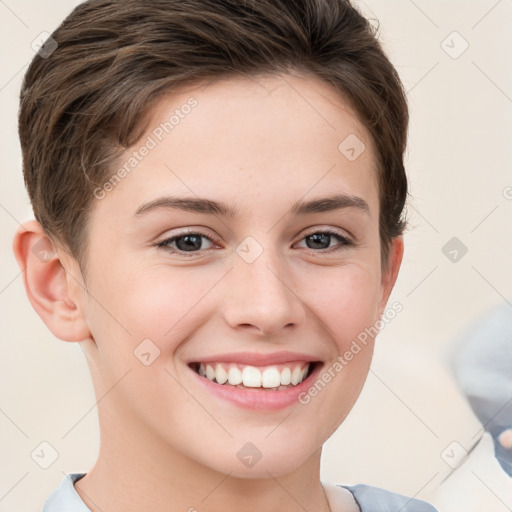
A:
{"x":209,"y":206}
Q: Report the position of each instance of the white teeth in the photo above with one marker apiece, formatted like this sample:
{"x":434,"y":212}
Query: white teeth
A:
{"x":296,"y":375}
{"x":271,"y":378}
{"x":286,"y":376}
{"x":221,"y":375}
{"x":210,"y":372}
{"x":234,"y":376}
{"x":253,"y":377}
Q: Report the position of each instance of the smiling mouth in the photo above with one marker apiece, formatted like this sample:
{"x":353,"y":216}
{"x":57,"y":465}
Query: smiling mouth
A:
{"x":262,"y":378}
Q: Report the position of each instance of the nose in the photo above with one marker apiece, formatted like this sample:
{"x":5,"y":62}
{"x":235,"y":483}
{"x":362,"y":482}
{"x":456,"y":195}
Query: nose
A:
{"x":262,"y":296}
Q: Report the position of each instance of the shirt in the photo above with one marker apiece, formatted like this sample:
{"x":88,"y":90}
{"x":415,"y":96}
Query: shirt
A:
{"x":369,"y":498}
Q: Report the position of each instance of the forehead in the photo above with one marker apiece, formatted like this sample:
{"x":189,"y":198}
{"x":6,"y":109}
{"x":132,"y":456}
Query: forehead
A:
{"x":274,"y":137}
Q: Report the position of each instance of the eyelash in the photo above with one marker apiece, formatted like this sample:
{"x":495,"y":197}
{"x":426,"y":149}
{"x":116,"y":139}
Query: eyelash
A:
{"x":345,"y":242}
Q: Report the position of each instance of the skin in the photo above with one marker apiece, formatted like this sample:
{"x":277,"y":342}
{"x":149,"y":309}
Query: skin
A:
{"x":259,"y":145}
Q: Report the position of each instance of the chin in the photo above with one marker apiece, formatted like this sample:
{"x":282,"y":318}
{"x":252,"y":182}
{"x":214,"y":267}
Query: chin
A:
{"x":262,"y":460}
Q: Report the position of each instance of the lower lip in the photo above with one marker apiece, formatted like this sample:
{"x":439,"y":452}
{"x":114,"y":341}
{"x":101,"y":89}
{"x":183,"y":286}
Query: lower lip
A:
{"x":258,"y":398}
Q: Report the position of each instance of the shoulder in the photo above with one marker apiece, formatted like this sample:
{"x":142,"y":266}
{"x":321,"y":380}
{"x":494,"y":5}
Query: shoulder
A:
{"x":376,"y":499}
{"x":65,"y":498}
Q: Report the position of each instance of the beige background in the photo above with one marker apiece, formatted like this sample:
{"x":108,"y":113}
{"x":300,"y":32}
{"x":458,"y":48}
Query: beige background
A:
{"x":459,"y":164}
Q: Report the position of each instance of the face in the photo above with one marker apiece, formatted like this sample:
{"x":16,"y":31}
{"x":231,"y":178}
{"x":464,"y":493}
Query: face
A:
{"x":273,"y":290}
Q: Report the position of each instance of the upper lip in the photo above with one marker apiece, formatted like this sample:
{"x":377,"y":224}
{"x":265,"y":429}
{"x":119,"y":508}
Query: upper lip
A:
{"x":255,"y":358}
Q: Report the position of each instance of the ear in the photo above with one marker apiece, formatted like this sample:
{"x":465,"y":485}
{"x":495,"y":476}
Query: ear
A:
{"x":54,"y":290}
{"x":390,"y":272}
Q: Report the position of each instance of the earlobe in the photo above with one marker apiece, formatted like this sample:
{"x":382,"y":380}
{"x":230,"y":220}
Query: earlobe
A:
{"x":390,"y":274}
{"x":47,"y":283}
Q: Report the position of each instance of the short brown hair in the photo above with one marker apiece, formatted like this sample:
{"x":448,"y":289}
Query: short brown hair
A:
{"x":81,"y":104}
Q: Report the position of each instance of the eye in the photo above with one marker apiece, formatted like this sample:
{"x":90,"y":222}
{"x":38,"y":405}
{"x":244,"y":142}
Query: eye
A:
{"x":322,"y":239}
{"x":189,"y":241}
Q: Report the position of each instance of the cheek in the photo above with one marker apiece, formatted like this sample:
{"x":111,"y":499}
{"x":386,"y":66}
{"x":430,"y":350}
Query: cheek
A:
{"x":138,"y":320}
{"x":344,"y":299}
{"x":169,"y":304}
{"x":155,"y":303}
{"x":347,"y":309}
